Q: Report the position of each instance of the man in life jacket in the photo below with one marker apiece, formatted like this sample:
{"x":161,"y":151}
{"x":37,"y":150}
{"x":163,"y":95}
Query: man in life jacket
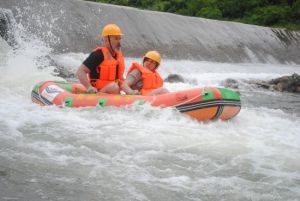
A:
{"x":144,"y":79}
{"x":102,"y":71}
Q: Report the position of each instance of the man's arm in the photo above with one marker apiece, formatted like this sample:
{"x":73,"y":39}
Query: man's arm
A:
{"x":83,"y":78}
{"x":89,"y":66}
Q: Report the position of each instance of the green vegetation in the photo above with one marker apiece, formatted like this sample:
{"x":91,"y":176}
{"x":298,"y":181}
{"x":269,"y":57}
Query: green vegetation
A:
{"x":274,"y":13}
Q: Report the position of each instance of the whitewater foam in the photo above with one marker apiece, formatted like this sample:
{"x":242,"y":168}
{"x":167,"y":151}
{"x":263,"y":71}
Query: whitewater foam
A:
{"x":141,"y":152}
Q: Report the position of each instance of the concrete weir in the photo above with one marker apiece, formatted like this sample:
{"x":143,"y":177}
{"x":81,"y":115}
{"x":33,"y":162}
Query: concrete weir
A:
{"x":75,"y":26}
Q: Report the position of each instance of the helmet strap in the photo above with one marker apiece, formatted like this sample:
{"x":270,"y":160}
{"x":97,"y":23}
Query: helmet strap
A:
{"x":112,"y":50}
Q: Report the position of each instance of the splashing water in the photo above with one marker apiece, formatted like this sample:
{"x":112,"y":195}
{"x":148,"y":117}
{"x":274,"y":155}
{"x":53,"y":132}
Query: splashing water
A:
{"x":145,"y":153}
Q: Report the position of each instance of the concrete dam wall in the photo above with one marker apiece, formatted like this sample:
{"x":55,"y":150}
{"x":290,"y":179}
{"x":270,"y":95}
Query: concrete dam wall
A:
{"x":75,"y":26}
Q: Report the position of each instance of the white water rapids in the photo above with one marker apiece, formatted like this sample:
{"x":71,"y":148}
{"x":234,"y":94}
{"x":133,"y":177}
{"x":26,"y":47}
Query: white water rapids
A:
{"x":144,"y":153}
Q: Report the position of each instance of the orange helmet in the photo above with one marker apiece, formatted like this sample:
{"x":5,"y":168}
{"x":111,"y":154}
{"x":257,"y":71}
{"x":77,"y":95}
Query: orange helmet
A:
{"x":111,"y":29}
{"x":154,"y":55}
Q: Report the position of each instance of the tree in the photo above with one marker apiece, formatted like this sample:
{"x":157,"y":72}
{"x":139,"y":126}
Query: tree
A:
{"x":295,"y":13}
{"x":210,"y":12}
{"x":270,"y":15}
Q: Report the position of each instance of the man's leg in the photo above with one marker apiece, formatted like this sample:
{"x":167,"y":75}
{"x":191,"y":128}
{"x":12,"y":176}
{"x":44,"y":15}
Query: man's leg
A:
{"x":112,"y":88}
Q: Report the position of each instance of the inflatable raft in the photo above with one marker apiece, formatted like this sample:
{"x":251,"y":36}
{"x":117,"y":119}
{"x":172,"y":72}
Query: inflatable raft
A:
{"x":205,"y":103}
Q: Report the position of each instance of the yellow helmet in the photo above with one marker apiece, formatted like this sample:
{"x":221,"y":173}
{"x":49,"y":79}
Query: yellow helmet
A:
{"x":154,"y":55}
{"x":111,"y":29}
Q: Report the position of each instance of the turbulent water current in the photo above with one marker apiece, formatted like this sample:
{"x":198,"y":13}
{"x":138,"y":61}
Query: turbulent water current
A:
{"x":145,"y":153}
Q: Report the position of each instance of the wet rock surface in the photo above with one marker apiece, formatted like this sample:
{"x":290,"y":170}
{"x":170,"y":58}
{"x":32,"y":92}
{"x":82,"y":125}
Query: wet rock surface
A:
{"x":287,"y":83}
{"x":230,"y":83}
{"x":6,"y":27}
{"x":283,"y":84}
{"x":173,"y":78}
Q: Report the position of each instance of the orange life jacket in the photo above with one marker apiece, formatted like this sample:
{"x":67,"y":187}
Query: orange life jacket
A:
{"x":110,"y":69}
{"x":151,"y":80}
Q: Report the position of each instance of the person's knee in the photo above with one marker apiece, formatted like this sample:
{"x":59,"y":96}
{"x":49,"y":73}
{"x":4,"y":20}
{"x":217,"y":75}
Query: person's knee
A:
{"x":158,"y":91}
{"x":115,"y":88}
{"x":112,"y":88}
{"x":161,"y":91}
{"x":164,"y":90}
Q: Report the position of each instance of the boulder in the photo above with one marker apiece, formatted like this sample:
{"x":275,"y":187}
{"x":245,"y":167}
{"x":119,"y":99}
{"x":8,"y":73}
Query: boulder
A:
{"x":287,"y":83}
{"x":282,"y":84}
{"x":263,"y":84}
{"x":172,"y":78}
{"x":231,"y":83}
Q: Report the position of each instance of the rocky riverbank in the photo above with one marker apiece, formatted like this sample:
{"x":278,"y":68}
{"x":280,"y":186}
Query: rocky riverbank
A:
{"x":288,"y":83}
{"x":283,"y":84}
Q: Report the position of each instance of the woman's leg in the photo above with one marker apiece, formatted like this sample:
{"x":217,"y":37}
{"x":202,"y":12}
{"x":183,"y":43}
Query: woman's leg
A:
{"x":158,"y":91}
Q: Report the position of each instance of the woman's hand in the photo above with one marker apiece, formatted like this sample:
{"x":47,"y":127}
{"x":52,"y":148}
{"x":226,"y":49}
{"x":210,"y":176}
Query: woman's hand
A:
{"x":134,"y":92}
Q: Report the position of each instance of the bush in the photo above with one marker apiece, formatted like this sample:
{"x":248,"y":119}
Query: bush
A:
{"x":210,"y":12}
{"x":270,"y":15}
{"x":295,"y":12}
{"x":282,"y":13}
{"x":230,"y":8}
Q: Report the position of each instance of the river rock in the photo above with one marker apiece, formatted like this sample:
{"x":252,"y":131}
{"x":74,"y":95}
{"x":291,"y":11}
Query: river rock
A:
{"x":282,"y":84}
{"x":286,"y":83}
{"x":262,"y":84}
{"x":230,"y":83}
{"x":172,"y":78}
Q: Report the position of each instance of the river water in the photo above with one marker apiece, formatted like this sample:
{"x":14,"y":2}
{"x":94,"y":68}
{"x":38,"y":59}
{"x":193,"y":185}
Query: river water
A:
{"x":145,"y":153}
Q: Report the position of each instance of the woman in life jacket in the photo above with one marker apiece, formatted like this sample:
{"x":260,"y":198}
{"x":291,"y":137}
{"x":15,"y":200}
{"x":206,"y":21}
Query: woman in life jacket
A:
{"x":144,"y":79}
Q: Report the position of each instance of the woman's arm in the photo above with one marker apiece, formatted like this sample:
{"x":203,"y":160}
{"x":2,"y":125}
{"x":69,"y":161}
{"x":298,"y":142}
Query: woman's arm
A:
{"x":126,"y":85}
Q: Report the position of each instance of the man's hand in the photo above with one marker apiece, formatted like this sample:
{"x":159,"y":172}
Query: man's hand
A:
{"x":91,"y":89}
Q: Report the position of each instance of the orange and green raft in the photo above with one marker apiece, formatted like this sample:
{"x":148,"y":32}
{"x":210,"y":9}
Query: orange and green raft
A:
{"x":204,"y":103}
